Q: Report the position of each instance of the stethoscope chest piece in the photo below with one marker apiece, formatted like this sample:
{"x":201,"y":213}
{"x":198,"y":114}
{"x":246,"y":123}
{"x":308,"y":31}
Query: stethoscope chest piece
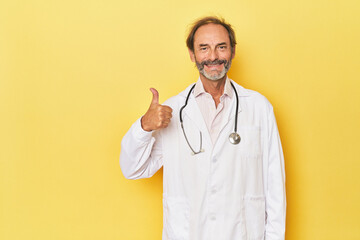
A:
{"x":234,"y":138}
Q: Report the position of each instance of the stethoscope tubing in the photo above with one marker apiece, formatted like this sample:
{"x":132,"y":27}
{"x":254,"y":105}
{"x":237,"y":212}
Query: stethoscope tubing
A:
{"x":234,"y":137}
{"x":237,"y":107}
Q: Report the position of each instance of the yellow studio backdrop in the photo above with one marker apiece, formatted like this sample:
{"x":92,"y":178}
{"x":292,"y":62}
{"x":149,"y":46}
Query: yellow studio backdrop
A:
{"x":74,"y":75}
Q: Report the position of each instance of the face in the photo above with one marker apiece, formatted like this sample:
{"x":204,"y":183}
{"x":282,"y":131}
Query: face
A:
{"x":212,"y":51}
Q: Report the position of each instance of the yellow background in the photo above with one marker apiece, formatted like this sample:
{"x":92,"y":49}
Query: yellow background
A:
{"x":74,"y":75}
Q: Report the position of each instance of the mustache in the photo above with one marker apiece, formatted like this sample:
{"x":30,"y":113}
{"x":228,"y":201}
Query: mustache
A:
{"x":209,"y":62}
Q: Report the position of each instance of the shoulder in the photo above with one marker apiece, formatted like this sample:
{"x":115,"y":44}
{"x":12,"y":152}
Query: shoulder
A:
{"x":252,"y":98}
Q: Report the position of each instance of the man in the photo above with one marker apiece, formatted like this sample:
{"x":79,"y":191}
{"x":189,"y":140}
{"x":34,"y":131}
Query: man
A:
{"x":218,"y":143}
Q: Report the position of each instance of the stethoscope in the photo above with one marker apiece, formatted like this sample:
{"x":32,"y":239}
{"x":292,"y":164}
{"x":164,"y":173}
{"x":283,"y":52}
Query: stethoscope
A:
{"x":234,"y":137}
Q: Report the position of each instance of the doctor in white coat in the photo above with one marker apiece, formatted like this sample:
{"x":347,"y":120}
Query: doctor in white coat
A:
{"x":215,"y":186}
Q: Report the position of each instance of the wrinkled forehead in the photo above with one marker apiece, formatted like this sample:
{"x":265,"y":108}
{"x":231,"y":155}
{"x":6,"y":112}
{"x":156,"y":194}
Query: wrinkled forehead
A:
{"x":211,"y":34}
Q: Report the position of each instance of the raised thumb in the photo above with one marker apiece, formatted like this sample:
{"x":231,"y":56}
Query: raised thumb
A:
{"x":155,"y":98}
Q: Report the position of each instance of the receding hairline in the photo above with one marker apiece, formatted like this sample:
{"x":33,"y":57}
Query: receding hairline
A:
{"x":214,"y":24}
{"x":214,"y":20}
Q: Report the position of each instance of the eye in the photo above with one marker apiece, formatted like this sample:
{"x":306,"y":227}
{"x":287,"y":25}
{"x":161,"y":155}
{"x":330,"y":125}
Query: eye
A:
{"x":203,"y":48}
{"x":222,"y":47}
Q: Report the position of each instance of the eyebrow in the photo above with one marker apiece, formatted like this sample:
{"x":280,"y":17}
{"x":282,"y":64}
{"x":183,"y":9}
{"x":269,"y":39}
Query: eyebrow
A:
{"x":223,"y":43}
{"x":204,"y":44}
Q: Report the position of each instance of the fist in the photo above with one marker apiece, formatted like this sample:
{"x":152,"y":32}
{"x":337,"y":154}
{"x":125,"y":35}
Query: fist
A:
{"x":157,"y":116}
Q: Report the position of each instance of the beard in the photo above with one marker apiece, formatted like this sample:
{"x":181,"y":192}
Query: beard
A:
{"x":213,"y":76}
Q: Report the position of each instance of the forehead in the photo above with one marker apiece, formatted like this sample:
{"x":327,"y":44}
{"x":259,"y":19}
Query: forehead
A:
{"x":211,"y":34}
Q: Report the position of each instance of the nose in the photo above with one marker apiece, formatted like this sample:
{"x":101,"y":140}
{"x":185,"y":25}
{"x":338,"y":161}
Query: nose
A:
{"x":213,"y":55}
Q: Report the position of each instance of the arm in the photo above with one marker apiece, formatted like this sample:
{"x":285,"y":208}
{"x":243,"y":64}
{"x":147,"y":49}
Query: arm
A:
{"x":141,"y":155}
{"x":275,"y":190}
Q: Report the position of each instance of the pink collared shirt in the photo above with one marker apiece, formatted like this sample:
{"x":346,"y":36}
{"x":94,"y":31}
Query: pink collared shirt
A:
{"x":213,"y":116}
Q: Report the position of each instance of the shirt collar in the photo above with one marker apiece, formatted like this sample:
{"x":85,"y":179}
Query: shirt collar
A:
{"x":199,"y":88}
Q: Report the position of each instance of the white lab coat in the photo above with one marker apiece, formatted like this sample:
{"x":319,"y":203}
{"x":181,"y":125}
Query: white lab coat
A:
{"x":228,"y":192}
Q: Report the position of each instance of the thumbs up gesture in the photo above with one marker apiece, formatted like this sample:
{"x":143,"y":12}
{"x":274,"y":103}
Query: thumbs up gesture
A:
{"x":157,"y":116}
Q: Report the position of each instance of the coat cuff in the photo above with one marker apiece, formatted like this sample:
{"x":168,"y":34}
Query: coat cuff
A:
{"x":139,"y":133}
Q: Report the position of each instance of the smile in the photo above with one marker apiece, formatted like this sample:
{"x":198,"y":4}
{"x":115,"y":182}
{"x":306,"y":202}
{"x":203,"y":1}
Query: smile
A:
{"x":214,"y":66}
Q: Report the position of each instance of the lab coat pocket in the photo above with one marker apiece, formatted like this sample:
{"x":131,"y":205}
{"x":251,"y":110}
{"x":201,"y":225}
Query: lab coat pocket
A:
{"x":176,"y":218}
{"x":254,"y":207}
{"x":250,"y":144}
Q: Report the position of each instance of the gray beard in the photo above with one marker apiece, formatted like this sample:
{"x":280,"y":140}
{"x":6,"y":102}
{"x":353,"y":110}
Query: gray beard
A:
{"x":213,"y":77}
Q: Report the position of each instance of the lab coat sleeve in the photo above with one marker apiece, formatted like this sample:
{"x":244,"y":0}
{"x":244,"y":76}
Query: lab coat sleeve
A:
{"x":140,"y":155}
{"x":275,"y":193}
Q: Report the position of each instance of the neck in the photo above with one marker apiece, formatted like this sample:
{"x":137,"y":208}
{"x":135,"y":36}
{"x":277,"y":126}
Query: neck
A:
{"x":214,"y":88}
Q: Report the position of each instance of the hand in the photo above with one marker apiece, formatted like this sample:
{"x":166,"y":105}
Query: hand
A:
{"x":157,"y":116}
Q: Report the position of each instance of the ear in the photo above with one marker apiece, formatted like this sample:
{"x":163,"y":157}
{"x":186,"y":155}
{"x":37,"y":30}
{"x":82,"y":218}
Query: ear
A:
{"x":233,"y":53}
{"x":192,"y":55}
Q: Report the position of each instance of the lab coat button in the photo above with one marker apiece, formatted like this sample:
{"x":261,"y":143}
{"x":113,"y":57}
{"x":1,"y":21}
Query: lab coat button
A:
{"x":214,"y":160}
{"x":213,"y":218}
